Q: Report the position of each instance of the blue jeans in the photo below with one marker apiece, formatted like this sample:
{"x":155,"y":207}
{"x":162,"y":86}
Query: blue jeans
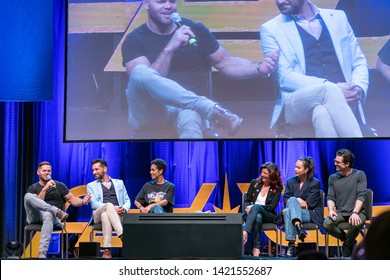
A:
{"x":157,"y":209}
{"x":294,"y":211}
{"x":38,"y":211}
{"x":155,"y":102}
{"x":254,"y":222}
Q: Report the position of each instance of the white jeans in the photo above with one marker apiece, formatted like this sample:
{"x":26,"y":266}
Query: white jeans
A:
{"x":107,"y":215}
{"x":325,"y":106}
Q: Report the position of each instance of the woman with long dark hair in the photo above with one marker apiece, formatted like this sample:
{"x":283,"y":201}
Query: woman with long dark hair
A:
{"x":260,"y":203}
{"x":301,"y":202}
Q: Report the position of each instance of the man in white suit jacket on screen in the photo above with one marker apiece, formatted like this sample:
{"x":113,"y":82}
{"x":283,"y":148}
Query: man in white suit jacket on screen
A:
{"x":322,"y":73}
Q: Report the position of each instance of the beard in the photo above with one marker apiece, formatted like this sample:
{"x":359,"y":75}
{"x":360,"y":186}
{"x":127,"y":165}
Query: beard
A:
{"x":290,"y":8}
{"x":158,"y":19}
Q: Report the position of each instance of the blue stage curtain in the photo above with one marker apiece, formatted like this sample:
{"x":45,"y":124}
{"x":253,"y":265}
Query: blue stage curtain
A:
{"x":11,"y":189}
{"x":26,"y":45}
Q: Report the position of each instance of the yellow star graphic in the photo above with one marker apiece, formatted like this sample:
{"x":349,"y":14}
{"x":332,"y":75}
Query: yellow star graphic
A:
{"x":226,"y":201}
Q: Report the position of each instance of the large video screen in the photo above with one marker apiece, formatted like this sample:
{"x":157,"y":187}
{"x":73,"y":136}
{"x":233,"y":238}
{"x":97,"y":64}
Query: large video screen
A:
{"x":98,"y":106}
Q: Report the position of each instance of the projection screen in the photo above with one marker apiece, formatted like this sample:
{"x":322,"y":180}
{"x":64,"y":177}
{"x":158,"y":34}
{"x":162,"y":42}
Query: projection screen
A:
{"x":96,"y":107}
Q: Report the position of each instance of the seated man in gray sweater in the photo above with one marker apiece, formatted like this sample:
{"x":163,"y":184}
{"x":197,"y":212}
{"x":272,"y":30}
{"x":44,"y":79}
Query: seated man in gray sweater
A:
{"x":347,"y":192}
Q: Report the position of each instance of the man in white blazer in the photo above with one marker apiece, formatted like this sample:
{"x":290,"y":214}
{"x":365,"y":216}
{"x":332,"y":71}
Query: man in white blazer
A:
{"x":109,"y":201}
{"x":322,"y":73}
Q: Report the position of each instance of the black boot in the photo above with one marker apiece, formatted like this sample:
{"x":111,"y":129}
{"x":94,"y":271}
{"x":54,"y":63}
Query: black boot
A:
{"x":301,"y":234}
{"x":224,"y":118}
{"x":347,"y":248}
{"x":290,"y":251}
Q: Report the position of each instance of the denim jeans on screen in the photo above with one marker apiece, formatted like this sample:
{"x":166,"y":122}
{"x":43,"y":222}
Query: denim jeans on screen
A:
{"x":155,"y":101}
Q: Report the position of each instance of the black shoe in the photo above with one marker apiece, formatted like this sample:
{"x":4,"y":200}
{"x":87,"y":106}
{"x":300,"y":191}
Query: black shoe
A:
{"x":346,"y":251}
{"x":224,"y":118}
{"x":290,"y":252}
{"x":301,"y":234}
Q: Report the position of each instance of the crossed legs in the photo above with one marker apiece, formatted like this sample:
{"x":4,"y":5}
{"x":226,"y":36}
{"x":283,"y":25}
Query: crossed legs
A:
{"x":38,"y":211}
{"x":326,"y":107}
{"x":107,"y":215}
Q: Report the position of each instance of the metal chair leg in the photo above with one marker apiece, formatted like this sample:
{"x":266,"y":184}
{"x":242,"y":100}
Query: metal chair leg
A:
{"x":31,"y":237}
{"x":277,"y":242}
{"x":24,"y":243}
{"x":327,"y":245}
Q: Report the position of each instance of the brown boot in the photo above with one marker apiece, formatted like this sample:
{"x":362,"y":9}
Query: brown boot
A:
{"x":107,"y":253}
{"x":62,"y":215}
{"x":224,"y":118}
{"x":42,"y":255}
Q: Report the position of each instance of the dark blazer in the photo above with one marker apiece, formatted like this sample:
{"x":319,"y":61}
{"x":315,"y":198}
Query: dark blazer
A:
{"x":272,"y":199}
{"x":310,"y":192}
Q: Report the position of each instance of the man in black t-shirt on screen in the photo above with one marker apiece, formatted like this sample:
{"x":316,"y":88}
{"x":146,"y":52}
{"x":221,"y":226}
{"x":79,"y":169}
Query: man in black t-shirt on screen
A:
{"x":168,"y":74}
{"x":383,"y":60}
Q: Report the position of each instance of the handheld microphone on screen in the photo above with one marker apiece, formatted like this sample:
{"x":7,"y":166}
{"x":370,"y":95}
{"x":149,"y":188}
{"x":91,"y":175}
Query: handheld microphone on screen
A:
{"x":49,"y":178}
{"x":175,"y":18}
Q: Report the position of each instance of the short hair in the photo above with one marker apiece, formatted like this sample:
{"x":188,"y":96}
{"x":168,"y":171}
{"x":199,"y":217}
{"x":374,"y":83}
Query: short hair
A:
{"x":99,"y":160}
{"x":43,"y":163}
{"x":347,"y":155}
{"x":160,"y":163}
{"x":308,"y":163}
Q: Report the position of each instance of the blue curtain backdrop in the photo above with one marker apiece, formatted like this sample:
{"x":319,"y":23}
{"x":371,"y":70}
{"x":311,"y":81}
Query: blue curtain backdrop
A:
{"x":33,"y":132}
{"x":26,"y":42}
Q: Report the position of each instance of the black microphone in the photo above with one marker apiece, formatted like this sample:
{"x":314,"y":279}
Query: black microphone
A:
{"x":175,"y":18}
{"x":49,"y":178}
